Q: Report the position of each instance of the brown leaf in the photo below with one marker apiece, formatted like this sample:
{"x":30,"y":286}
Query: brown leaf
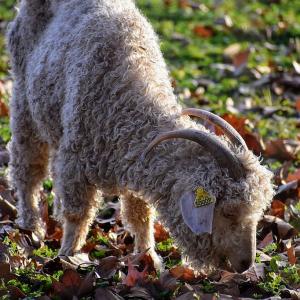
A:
{"x":203,"y":31}
{"x":4,"y":112}
{"x":298,"y":104}
{"x":106,"y":294}
{"x":278,"y":208}
{"x":191,"y":296}
{"x":228,"y":276}
{"x":229,"y":283}
{"x":68,"y":286}
{"x":5,"y":273}
{"x":133,"y":275}
{"x":282,"y":149}
{"x":160,"y":233}
{"x":241,"y":58}
{"x":241,"y":124}
{"x":254,"y":142}
{"x":23,"y":240}
{"x":80,"y":259}
{"x":291,"y":254}
{"x":259,"y":270}
{"x":280,"y":228}
{"x":288,"y":187}
{"x":167,"y":2}
{"x":88,"y":247}
{"x":138,"y":292}
{"x":15,"y":293}
{"x":7,"y":209}
{"x":87,"y":285}
{"x":71,"y":279}
{"x":108,"y":267}
{"x":294,"y":176}
{"x":266,"y":241}
{"x":183,"y":273}
{"x":56,"y":235}
{"x":183,"y":4}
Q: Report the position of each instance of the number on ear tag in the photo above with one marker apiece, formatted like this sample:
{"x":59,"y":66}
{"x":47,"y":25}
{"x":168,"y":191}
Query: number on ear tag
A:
{"x":197,"y":209}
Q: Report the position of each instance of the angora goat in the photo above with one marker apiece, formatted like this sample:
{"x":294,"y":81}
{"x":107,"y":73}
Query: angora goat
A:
{"x":92,"y":94}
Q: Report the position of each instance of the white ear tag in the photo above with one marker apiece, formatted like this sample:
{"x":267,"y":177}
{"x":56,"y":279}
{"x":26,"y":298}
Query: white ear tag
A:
{"x":197,"y":209}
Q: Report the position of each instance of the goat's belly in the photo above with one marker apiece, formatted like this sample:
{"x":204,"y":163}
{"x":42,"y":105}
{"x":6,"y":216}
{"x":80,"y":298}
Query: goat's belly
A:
{"x":45,"y":95}
{"x":48,"y":123}
{"x":45,"y":102}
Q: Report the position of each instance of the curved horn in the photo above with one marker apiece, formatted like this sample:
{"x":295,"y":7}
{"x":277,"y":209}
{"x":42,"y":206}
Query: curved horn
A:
{"x":230,"y":132}
{"x":223,"y":155}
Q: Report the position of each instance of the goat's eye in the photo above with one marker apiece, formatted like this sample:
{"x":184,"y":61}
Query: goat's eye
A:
{"x":228,"y":215}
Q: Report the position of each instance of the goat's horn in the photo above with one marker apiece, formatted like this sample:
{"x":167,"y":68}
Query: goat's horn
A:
{"x":230,"y":132}
{"x":222,"y":154}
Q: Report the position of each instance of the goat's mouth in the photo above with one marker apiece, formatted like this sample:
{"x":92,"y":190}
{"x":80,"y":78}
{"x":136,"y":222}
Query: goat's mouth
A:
{"x":224,"y":264}
{"x":227,"y":265}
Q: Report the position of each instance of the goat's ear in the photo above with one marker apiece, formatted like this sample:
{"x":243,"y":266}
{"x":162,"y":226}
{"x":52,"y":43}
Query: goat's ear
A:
{"x":197,"y":209}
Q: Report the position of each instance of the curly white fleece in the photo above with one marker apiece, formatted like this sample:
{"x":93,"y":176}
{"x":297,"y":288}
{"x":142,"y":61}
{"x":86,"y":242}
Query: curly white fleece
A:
{"x":91,"y":91}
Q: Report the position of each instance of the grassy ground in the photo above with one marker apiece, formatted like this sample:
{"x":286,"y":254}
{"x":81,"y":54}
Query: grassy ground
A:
{"x":237,"y":58}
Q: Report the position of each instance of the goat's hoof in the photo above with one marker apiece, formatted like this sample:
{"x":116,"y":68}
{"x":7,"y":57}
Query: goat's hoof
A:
{"x":35,"y":226}
{"x":158,"y":262}
{"x":66,"y":251}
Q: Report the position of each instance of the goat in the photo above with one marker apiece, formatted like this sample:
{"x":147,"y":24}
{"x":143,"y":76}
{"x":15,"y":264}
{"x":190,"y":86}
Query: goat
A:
{"x":92,"y":96}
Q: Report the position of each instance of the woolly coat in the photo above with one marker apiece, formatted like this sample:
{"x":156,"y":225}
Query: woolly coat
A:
{"x":91,"y":80}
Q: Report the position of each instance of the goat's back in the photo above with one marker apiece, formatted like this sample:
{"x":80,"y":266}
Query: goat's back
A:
{"x":76,"y":53}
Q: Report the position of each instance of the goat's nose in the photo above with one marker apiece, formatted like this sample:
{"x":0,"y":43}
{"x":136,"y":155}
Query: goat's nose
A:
{"x":245,"y":265}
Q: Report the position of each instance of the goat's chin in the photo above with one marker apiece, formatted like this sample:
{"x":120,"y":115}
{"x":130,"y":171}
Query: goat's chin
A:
{"x":224,"y":264}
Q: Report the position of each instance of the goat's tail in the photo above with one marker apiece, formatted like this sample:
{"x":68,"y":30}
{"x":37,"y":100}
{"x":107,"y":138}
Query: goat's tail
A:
{"x":40,"y":9}
{"x":37,"y":5}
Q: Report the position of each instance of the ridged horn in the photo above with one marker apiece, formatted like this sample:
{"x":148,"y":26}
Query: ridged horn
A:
{"x":222,"y":154}
{"x":228,"y":130}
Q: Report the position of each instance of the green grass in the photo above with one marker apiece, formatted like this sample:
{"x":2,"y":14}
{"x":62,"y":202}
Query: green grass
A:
{"x":196,"y":57}
{"x":271,"y":32}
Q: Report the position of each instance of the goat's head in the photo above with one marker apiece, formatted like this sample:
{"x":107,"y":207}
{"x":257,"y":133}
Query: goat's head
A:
{"x":227,"y":219}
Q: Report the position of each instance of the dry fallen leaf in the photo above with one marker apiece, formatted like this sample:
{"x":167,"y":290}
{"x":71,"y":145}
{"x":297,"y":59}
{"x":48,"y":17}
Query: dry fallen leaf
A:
{"x":106,"y":294}
{"x":160,"y":233}
{"x":268,"y":239}
{"x":291,"y":255}
{"x":203,"y":31}
{"x":68,"y":285}
{"x":183,"y":273}
{"x":298,"y":104}
{"x":133,"y":275}
{"x":241,"y":58}
{"x":280,"y":228}
{"x":4,"y":111}
{"x":183,"y":4}
{"x":108,"y":267}
{"x":282,"y":149}
{"x":294,"y":176}
{"x":277,"y":208}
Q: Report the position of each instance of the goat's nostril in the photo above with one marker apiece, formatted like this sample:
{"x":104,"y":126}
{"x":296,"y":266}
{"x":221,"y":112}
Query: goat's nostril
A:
{"x":246,"y":264}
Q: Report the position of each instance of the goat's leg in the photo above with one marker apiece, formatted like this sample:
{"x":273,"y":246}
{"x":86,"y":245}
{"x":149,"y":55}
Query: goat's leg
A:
{"x":27,"y":167}
{"x":138,"y":218}
{"x":78,"y":202}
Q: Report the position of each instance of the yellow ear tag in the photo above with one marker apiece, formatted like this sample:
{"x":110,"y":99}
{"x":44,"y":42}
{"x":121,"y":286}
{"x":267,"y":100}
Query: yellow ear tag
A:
{"x":203,"y":198}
